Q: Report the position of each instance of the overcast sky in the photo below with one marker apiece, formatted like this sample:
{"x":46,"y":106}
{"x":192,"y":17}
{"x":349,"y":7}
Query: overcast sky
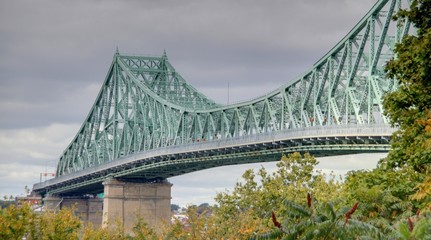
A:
{"x":54,"y":56}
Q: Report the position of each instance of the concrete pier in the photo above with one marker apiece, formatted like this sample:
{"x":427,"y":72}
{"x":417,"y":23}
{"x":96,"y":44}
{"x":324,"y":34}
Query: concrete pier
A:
{"x":51,"y":203}
{"x":128,"y":201}
{"x":89,"y":210}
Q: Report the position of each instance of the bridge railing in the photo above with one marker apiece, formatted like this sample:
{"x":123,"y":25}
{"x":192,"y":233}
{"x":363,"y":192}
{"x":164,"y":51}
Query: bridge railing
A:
{"x":343,"y":131}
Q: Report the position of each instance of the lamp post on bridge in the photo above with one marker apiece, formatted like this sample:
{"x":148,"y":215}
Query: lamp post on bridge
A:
{"x":46,"y":173}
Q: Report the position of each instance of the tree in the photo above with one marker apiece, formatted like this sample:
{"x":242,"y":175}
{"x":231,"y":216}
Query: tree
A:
{"x":415,"y":227}
{"x":383,"y":193}
{"x":55,"y":225}
{"x":409,"y":107}
{"x":204,"y":208}
{"x":248,"y":207}
{"x":423,"y":193}
{"x":315,"y":220}
{"x":15,"y":221}
{"x":175,"y":207}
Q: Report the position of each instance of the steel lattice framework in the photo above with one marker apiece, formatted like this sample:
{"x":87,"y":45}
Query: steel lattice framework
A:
{"x":145,"y":105}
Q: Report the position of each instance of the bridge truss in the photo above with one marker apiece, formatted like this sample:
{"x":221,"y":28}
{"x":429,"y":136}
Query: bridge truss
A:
{"x":145,"y":105}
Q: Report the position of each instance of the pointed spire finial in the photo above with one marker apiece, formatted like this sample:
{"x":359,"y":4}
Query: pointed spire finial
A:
{"x":164,"y":54}
{"x":116,"y":51}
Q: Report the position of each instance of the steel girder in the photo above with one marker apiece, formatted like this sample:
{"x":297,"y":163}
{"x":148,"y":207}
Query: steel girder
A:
{"x":145,"y":104}
{"x":161,"y":163}
{"x":138,"y":108}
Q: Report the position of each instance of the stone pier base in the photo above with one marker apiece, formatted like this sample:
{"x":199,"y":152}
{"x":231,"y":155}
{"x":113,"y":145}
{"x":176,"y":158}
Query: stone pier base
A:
{"x":128,"y":201}
{"x":52,"y":203}
{"x":89,"y":210}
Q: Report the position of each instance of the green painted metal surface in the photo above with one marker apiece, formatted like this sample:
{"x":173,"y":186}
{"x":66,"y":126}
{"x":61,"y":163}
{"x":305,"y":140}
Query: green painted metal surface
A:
{"x":145,"y":104}
{"x":161,"y":163}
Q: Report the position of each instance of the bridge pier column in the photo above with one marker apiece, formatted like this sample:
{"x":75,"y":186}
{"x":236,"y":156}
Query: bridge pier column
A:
{"x":127,"y":201}
{"x":51,"y":203}
{"x":87,"y":209}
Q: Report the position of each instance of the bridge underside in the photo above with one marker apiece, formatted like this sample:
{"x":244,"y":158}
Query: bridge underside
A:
{"x":160,"y":164}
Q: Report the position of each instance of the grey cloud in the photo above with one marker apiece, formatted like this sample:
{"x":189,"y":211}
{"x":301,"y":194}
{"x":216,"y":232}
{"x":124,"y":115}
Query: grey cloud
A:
{"x":30,"y":104}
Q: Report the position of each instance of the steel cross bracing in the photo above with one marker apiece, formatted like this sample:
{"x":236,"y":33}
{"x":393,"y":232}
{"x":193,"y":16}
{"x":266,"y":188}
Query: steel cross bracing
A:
{"x":145,"y":105}
{"x":161,"y":163}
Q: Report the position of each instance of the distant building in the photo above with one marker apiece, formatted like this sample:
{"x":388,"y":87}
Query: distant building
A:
{"x":34,"y":201}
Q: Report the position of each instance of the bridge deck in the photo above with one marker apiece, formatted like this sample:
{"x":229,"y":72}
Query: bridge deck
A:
{"x":172,"y":161}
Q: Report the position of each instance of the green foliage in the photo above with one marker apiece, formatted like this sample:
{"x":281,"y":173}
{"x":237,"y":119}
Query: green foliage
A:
{"x":419,"y":14}
{"x":415,"y":227}
{"x":196,"y":225}
{"x":89,"y":232}
{"x":294,"y":202}
{"x":292,"y":179}
{"x":15,"y":222}
{"x":308,"y":219}
{"x":321,"y":221}
{"x":383,"y":192}
{"x":6,"y":202}
{"x":55,"y":225}
{"x":142,"y":231}
{"x":253,"y":199}
{"x":409,"y":106}
{"x":423,"y":193}
{"x":176,"y":231}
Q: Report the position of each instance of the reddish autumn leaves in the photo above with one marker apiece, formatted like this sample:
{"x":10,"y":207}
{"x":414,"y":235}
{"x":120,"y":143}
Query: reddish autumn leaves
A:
{"x":409,"y":220}
{"x":350,"y":212}
{"x":274,"y":220}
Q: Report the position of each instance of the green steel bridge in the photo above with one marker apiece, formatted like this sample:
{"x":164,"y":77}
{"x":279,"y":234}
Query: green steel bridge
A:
{"x":149,"y":124}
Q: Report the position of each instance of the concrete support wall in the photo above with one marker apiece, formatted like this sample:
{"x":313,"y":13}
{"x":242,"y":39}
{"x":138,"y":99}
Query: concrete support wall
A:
{"x":89,"y":210}
{"x":51,"y":203}
{"x":95,"y":211}
{"x":128,"y":201}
